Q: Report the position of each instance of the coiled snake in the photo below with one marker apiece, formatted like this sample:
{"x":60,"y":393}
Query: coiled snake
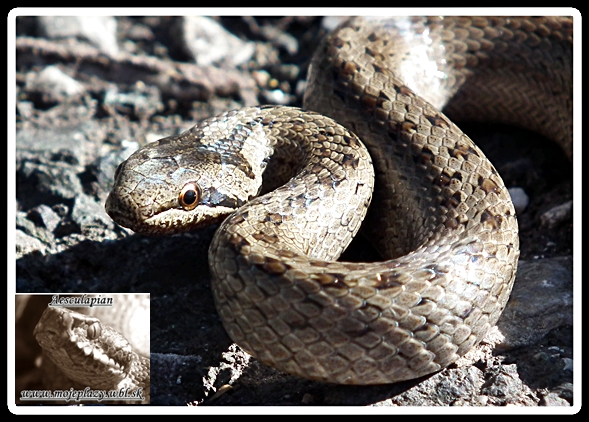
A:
{"x":440,"y":215}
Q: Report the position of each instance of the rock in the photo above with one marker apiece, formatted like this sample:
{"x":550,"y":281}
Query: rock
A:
{"x":209,"y":43}
{"x":557,"y":215}
{"x":44,"y":216}
{"x":54,"y":85}
{"x":99,"y":30}
{"x":550,"y":283}
{"x":87,"y":213}
{"x":26,"y":244}
{"x":519,"y":198}
{"x":552,"y":399}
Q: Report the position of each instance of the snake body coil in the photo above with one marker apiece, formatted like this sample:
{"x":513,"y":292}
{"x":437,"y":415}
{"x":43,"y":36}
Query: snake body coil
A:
{"x":440,"y":215}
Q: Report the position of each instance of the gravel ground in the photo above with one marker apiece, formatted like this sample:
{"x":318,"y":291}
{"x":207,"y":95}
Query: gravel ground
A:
{"x":89,"y":92}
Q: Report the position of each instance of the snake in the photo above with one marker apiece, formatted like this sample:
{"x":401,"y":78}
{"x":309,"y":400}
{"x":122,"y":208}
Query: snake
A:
{"x":102,"y":348}
{"x":289,"y":188}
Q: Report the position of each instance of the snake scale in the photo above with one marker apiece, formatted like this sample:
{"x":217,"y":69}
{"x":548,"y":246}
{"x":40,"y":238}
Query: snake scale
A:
{"x":440,"y":214}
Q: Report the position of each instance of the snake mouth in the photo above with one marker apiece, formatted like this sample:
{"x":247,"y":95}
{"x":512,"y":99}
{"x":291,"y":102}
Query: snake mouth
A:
{"x":83,"y":342}
{"x":99,"y":343}
{"x":89,"y":355}
{"x":114,"y":208}
{"x":149,"y":222}
{"x":120,"y":212}
{"x":173,"y":221}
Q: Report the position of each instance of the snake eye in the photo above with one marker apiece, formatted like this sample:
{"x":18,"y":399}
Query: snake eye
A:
{"x":93,"y":331}
{"x":189,"y":196}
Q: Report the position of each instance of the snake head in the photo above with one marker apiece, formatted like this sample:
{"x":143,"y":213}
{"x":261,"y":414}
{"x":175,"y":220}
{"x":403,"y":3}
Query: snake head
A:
{"x":86,"y":350}
{"x":176,"y":185}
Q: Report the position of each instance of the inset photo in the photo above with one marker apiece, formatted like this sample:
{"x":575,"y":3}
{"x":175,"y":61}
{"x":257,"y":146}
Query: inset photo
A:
{"x":82,"y":349}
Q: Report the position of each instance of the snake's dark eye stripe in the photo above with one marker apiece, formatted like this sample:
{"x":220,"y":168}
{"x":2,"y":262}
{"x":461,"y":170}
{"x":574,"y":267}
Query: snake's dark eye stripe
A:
{"x":189,"y":196}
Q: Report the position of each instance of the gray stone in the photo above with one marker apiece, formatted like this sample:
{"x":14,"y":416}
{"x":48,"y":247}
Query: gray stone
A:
{"x":209,"y":43}
{"x":541,"y":301}
{"x":98,"y":30}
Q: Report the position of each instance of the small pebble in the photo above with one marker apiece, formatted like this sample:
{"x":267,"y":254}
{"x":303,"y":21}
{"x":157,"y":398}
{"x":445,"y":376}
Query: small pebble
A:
{"x":54,"y":83}
{"x":557,"y":215}
{"x":307,"y":399}
{"x":519,"y":198}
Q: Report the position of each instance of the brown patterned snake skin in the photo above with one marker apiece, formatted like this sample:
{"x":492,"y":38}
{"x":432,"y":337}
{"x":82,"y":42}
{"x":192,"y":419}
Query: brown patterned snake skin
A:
{"x":440,"y":214}
{"x":90,"y":352}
